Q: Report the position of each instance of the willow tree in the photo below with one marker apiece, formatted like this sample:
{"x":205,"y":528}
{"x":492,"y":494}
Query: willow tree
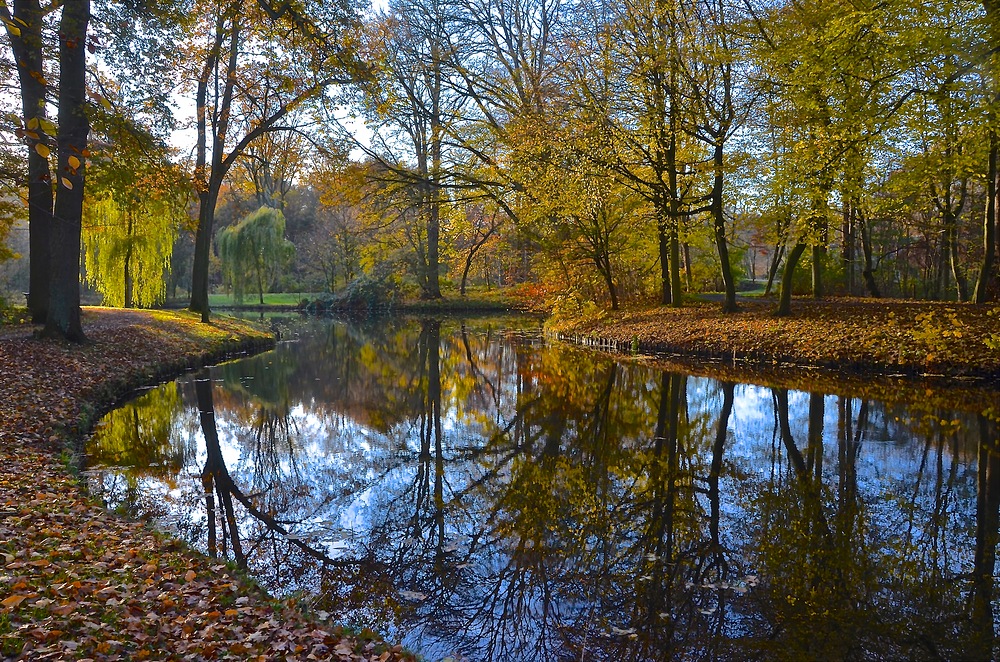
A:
{"x":136,"y":201}
{"x":128,"y":249}
{"x":253,"y":250}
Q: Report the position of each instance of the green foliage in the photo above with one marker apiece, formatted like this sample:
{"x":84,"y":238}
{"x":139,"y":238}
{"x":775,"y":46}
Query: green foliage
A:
{"x":253,"y":252}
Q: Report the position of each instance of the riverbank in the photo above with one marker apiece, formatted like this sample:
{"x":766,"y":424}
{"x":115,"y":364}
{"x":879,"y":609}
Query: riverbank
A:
{"x":79,"y":582}
{"x":846,"y":338}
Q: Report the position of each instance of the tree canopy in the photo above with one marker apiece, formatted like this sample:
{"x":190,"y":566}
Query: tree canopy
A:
{"x":618,"y":151}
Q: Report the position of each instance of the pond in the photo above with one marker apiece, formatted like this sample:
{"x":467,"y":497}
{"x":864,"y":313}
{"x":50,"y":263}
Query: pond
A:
{"x":479,"y":493}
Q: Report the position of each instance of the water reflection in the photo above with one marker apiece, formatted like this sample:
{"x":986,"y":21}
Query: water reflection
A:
{"x":467,"y":489}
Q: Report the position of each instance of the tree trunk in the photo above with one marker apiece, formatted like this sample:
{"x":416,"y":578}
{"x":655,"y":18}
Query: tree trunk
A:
{"x":866,"y":248}
{"x":847,"y":249}
{"x":821,"y":227}
{"x":63,"y":318}
{"x":128,"y":279}
{"x":961,"y":283}
{"x":28,"y":56}
{"x":987,"y":275}
{"x":987,"y":285}
{"x":688,"y":277}
{"x":130,"y":229}
{"x":465,"y":272}
{"x":433,"y":282}
{"x":202,"y":251}
{"x":818,"y":255}
{"x":260,"y":283}
{"x":772,"y":270}
{"x":663,"y":244}
{"x":676,"y":294}
{"x":603,"y":264}
{"x":209,"y":183}
{"x":785,"y":295}
{"x":719,"y":225}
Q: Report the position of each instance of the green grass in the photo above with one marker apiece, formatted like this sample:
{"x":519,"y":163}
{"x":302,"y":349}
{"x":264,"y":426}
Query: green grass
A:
{"x":476,"y":299}
{"x":270,"y":299}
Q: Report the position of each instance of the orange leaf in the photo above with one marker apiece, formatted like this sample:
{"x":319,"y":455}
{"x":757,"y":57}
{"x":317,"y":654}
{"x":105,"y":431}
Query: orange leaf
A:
{"x":13,"y":600}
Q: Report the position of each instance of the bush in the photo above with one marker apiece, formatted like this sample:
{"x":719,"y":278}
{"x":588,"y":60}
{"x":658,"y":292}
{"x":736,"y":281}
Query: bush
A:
{"x":363,"y":294}
{"x":570,"y":309}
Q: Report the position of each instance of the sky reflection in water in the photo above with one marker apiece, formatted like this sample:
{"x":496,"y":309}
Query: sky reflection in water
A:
{"x":480,"y":494}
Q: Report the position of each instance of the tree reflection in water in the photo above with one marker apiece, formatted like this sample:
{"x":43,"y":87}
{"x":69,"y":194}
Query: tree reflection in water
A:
{"x":475,"y":492}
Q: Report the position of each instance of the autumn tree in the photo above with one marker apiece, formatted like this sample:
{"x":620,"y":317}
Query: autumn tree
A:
{"x":814,"y":69}
{"x":409,"y":110}
{"x":269,"y":166}
{"x":718,"y":105}
{"x":237,"y":67}
{"x":628,"y":76}
{"x":335,"y":244}
{"x":476,"y":224}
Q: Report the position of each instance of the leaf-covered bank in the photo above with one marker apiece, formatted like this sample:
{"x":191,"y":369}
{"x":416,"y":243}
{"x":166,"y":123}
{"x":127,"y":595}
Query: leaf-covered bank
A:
{"x":851,"y":337}
{"x":81,"y":583}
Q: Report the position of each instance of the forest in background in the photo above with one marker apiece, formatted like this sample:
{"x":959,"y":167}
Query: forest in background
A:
{"x":622,"y":150}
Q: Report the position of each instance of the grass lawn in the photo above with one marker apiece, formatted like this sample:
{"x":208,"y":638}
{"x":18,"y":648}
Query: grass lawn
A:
{"x":270,"y":299}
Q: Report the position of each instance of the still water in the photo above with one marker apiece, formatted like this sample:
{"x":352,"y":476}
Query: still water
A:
{"x":478,"y":493}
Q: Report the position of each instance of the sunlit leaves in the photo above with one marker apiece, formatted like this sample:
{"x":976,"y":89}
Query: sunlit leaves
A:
{"x":134,"y":208}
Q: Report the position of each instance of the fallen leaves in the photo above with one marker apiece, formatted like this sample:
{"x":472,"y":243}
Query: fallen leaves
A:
{"x":77,"y":582}
{"x":833,"y":346}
